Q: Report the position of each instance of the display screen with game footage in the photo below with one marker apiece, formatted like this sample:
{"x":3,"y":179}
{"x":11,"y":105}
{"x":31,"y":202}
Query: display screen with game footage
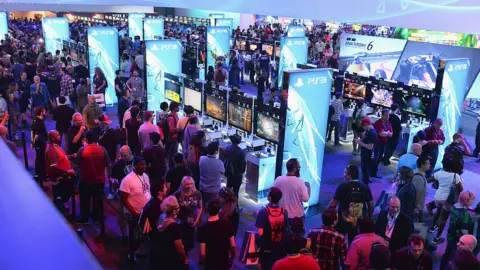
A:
{"x":240,"y":117}
{"x":268,"y":127}
{"x":216,"y":108}
{"x":252,"y":47}
{"x":268,"y":48}
{"x":240,"y":45}
{"x":277,"y":51}
{"x":382,"y":94}
{"x":193,"y":98}
{"x":417,"y":101}
{"x":354,"y":89}
{"x":172,"y":91}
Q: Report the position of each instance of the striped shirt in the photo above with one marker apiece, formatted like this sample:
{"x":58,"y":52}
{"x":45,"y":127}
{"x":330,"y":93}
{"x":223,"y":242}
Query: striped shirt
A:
{"x":338,"y":106}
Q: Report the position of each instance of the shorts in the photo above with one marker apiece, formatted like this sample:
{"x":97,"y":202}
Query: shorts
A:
{"x":443,"y":204}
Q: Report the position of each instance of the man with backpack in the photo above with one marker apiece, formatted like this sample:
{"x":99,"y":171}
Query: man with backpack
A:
{"x":354,"y":200}
{"x":169,"y":129}
{"x":420,"y":182}
{"x":272,"y":223}
{"x":235,"y":164}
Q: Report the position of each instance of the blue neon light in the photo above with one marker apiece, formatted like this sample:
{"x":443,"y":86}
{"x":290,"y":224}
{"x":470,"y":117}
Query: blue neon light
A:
{"x":293,"y":51}
{"x":135,"y":25}
{"x":152,"y":28}
{"x":55,"y":30}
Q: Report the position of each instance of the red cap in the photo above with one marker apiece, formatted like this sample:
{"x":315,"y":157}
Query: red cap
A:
{"x":104,"y":118}
{"x":365,"y":121}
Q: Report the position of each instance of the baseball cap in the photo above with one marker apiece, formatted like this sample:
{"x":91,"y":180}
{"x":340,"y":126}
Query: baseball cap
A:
{"x":104,"y":118}
{"x":365,"y":121}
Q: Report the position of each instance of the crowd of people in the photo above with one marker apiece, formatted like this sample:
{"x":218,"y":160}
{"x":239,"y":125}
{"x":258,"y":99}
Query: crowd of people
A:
{"x":168,"y":179}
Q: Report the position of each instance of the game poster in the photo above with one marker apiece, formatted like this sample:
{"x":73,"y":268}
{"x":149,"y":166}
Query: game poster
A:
{"x":55,"y":30}
{"x":103,"y":52}
{"x":218,"y":45}
{"x":135,"y":25}
{"x":306,"y":124}
{"x":153,"y":28}
{"x":295,"y":31}
{"x":293,"y":51}
{"x":228,"y":22}
{"x":162,"y":56}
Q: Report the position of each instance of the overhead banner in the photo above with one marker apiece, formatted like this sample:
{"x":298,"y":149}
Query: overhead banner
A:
{"x":218,"y":45}
{"x":296,"y":31}
{"x":135,"y":25}
{"x":55,"y":31}
{"x":153,"y":28}
{"x":228,"y":22}
{"x":454,"y":89}
{"x":214,"y":16}
{"x":162,"y":56}
{"x":3,"y":25}
{"x":370,"y":56}
{"x":306,"y":124}
{"x":103,"y":53}
{"x":293,"y":51}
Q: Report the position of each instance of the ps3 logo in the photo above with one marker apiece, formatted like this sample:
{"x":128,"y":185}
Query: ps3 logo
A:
{"x":102,"y":32}
{"x":55,"y":21}
{"x":137,"y":15}
{"x":168,"y":47}
{"x":154,"y":21}
{"x":457,"y":67}
{"x":295,"y":42}
{"x":317,"y":80}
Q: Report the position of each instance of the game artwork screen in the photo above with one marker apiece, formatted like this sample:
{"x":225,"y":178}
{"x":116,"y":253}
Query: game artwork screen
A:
{"x":268,"y":49}
{"x":353,"y":90}
{"x":253,"y":47}
{"x":382,"y":97}
{"x":416,"y":104}
{"x":172,"y":91}
{"x":277,"y":51}
{"x":216,"y":108}
{"x":268,"y":128}
{"x":240,"y":117}
{"x":240,"y":45}
{"x":193,"y":98}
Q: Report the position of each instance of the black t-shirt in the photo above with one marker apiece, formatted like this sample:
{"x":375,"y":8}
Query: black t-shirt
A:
{"x":345,"y":189}
{"x":38,"y":128}
{"x":216,"y":236}
{"x":175,"y":176}
{"x":396,"y":125}
{"x":63,"y":115}
{"x":370,"y":137}
{"x":157,"y":160}
{"x":168,"y":255}
{"x":109,"y":140}
{"x":120,"y":84}
{"x":72,"y":148}
{"x":121,"y":168}
{"x":53,"y":84}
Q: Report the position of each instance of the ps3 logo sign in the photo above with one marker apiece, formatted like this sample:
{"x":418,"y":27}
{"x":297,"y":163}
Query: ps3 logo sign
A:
{"x":137,"y":15}
{"x":295,"y":42}
{"x":55,"y":21}
{"x":103,"y":32}
{"x":457,"y":67}
{"x":317,"y":80}
{"x":154,"y":21}
{"x":168,"y":47}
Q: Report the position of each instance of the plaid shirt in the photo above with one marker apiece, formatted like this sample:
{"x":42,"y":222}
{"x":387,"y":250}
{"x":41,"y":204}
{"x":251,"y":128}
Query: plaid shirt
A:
{"x":66,"y":85}
{"x":329,"y":247}
{"x":454,"y":150}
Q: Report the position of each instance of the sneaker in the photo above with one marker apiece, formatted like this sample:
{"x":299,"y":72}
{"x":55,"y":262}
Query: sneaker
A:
{"x":433,"y":229}
{"x":437,"y":240}
{"x":111,"y":196}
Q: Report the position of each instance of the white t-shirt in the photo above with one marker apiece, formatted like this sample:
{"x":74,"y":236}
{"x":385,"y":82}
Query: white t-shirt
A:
{"x":445,"y":180}
{"x":138,"y":189}
{"x":294,"y":193}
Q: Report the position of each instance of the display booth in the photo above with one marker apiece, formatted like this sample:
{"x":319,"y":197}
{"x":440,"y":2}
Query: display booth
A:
{"x":161,"y":56}
{"x":103,"y":53}
{"x":153,"y":28}
{"x":55,"y":31}
{"x":293,"y":51}
{"x":218,"y":46}
{"x":135,"y":25}
{"x":3,"y":25}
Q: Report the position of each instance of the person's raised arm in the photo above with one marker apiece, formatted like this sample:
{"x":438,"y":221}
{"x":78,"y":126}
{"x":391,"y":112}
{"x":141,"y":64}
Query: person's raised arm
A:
{"x":79,"y":134}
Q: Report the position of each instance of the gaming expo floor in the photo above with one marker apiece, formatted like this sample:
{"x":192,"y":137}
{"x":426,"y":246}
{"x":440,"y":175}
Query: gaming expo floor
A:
{"x":112,"y":254}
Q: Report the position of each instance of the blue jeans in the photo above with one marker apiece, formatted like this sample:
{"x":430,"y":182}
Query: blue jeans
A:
{"x":379,"y":151}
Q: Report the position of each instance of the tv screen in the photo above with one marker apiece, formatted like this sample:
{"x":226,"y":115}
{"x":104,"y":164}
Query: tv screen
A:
{"x":417,"y":103}
{"x":193,"y":98}
{"x":353,"y":90}
{"x":240,"y":117}
{"x":240,"y":45}
{"x":253,"y":47}
{"x":216,"y":108}
{"x":268,"y":128}
{"x":382,"y":97}
{"x":277,"y":51}
{"x":172,"y":91}
{"x":268,"y":49}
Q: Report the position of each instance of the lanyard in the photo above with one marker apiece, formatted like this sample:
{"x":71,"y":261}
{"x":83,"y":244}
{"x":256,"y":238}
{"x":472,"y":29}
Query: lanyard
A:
{"x":145,"y":186}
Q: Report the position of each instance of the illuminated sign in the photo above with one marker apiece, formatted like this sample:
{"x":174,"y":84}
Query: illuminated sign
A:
{"x":3,"y":25}
{"x":153,"y":28}
{"x":55,"y":31}
{"x":135,"y":25}
{"x":218,"y":45}
{"x":293,"y":51}
{"x":295,"y":31}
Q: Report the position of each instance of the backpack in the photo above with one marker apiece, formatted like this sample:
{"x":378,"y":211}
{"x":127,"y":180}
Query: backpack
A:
{"x":220,"y":76}
{"x":276,"y":218}
{"x":355,"y":206}
{"x":229,"y":168}
{"x":163,"y":124}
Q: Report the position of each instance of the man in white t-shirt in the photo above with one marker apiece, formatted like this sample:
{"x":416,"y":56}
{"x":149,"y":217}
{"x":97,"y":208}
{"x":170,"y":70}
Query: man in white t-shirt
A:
{"x":295,"y":191}
{"x":135,"y":189}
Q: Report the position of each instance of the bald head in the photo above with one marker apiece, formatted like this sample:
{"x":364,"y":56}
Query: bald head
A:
{"x":393,"y":206}
{"x":467,"y":242}
{"x":126,"y":153}
{"x":417,"y":149}
{"x":3,"y":132}
{"x":54,"y":137}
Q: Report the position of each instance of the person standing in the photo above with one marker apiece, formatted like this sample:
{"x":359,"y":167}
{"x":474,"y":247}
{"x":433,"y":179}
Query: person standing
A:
{"x":366,"y":151}
{"x":170,"y":133}
{"x":337,"y":105}
{"x":82,"y":92}
{"x":91,"y":112}
{"x":272,"y":224}
{"x":189,"y":132}
{"x":146,"y":129}
{"x":24,"y":90}
{"x":211,"y":170}
{"x":39,"y":142}
{"x":354,"y":201}
{"x":176,"y":173}
{"x":457,"y":149}
{"x":420,"y":182}
{"x":409,"y":160}
{"x":75,"y":134}
{"x":108,"y":137}
{"x":123,"y":105}
{"x":295,"y":191}
{"x":125,"y":66}
{"x":406,"y":191}
{"x":394,"y":226}
{"x":328,"y":245}
{"x":136,"y":86}
{"x":476,"y":151}
{"x":384,"y":131}
{"x":62,"y":114}
{"x":132,"y":126}
{"x":156,"y":157}
{"x":235,"y":164}
{"x":100,"y":83}
{"x":358,"y":132}
{"x":66,"y":85}
{"x":93,"y":161}
{"x":39,"y":93}
{"x":414,"y":256}
{"x":119,"y":86}
{"x":435,"y":138}
{"x":14,"y":108}
{"x":396,"y":131}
